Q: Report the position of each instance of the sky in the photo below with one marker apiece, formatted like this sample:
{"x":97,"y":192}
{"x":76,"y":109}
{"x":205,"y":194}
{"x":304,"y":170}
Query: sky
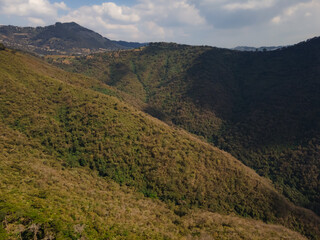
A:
{"x":222,"y":23}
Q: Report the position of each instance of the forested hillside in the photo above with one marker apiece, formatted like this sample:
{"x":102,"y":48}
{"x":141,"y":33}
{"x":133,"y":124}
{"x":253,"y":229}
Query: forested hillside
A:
{"x":262,"y":107}
{"x":78,"y":162}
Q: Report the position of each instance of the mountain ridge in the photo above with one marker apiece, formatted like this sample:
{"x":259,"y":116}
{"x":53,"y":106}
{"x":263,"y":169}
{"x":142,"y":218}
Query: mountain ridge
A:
{"x":60,"y":39}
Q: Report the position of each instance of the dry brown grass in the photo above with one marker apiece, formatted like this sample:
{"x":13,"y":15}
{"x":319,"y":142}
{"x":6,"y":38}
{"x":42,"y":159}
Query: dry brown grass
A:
{"x":206,"y":225}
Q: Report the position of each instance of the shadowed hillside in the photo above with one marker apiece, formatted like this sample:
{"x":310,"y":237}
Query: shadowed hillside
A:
{"x":55,"y":124}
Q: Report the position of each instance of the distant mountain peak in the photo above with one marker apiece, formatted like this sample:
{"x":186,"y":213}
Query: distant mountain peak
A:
{"x":60,"y":38}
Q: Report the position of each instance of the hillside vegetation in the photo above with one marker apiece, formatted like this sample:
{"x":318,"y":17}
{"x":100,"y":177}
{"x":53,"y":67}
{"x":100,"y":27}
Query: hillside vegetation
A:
{"x":60,"y":133}
{"x":41,"y":197}
{"x":262,"y":107}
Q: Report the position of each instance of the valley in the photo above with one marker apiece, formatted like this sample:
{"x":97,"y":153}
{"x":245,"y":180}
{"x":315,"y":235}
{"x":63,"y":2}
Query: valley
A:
{"x":262,"y":107}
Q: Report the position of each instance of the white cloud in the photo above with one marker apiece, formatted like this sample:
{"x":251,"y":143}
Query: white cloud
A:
{"x":276,"y":20}
{"x":300,"y":11}
{"x":252,"y":4}
{"x":118,"y":13}
{"x":37,"y":12}
{"x":180,"y":12}
{"x":308,"y":14}
{"x":61,"y":5}
{"x":36,"y":21}
{"x":28,"y":8}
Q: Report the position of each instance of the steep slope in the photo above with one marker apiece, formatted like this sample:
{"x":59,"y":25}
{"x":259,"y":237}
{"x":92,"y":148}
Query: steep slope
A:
{"x":85,"y":130}
{"x":262,"y":107}
{"x":60,"y":38}
{"x":41,"y":197}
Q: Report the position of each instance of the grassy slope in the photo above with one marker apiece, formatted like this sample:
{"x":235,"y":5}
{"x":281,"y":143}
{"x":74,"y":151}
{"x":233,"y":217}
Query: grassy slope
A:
{"x":40,"y":196}
{"x":81,"y":127}
{"x":70,"y":203}
{"x":260,"y":107}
